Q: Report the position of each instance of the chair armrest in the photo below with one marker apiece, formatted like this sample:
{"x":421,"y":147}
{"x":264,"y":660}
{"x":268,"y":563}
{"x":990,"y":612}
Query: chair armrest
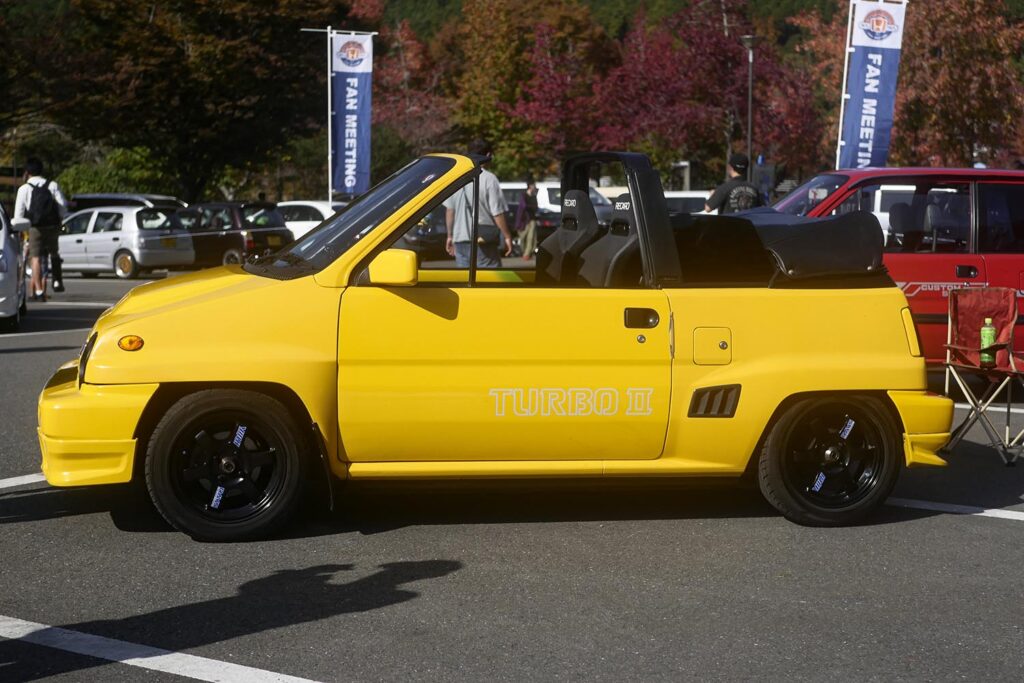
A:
{"x":993,"y":347}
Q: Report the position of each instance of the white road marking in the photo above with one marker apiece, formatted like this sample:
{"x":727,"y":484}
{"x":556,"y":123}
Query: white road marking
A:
{"x":993,"y":409}
{"x":33,"y":334}
{"x":55,"y":303}
{"x":142,"y":656}
{"x":956,"y":509}
{"x":21,"y":481}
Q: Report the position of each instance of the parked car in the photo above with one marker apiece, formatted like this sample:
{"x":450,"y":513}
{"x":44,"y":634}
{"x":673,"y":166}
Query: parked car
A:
{"x":13,"y":284}
{"x":943,"y":228}
{"x":688,"y":201}
{"x":153,"y":201}
{"x":301,"y":216}
{"x":228,"y":232}
{"x":125,"y":240}
{"x":655,"y":348}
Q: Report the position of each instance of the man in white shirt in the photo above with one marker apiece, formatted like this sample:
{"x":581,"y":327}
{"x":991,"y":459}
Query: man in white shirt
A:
{"x":493,"y":232}
{"x":45,"y":213}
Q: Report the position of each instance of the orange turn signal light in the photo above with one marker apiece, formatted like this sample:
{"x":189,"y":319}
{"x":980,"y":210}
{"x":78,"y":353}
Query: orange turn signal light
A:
{"x":131,"y":342}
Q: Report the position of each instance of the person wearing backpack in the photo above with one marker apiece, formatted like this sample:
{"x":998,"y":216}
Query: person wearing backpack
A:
{"x":42,"y":203}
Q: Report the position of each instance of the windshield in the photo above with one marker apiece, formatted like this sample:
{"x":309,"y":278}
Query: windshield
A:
{"x":803,"y":199}
{"x":318,"y":249}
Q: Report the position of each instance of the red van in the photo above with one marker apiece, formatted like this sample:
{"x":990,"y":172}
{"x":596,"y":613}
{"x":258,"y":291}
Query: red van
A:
{"x":943,"y":228}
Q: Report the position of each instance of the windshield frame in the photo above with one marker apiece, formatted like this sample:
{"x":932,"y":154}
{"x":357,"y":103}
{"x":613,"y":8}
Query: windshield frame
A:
{"x":356,"y":222}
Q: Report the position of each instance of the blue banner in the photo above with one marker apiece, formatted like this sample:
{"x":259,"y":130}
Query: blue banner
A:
{"x":876,"y":37}
{"x":351,"y":90}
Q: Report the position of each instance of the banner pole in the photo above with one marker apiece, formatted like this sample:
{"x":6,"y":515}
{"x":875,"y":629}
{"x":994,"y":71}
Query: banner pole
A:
{"x":330,"y":117}
{"x":846,"y":67}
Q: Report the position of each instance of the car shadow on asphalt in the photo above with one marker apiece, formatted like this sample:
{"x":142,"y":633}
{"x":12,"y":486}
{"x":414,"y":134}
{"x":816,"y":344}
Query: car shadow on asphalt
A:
{"x":285,"y":598}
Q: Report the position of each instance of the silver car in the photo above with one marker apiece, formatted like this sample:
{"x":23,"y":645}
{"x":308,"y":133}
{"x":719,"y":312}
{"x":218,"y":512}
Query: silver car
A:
{"x":123,"y":240}
{"x":13,"y":288}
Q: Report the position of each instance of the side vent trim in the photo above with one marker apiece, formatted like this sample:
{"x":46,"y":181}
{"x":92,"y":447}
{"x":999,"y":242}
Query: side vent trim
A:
{"x":718,"y":401}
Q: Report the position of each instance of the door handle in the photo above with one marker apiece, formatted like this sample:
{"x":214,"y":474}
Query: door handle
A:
{"x":78,"y":241}
{"x":966,"y":271}
{"x":641,"y":318}
{"x":115,"y":239}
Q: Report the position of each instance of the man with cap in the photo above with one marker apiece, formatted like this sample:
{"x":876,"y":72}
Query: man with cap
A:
{"x":735,"y":194}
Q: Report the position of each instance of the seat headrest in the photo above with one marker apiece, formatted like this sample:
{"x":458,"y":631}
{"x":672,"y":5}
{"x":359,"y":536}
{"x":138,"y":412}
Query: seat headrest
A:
{"x":577,"y":209}
{"x":623,"y":222}
{"x":899,"y":217}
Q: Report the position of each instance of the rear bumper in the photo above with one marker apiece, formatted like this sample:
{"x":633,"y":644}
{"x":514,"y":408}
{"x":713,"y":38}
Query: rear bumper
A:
{"x":87,"y":434}
{"x":927,"y":420}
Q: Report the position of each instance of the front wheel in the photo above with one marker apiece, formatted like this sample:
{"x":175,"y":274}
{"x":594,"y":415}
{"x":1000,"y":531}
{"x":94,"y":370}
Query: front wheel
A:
{"x":225,"y":465}
{"x":231,"y":257}
{"x":125,"y":265}
{"x":831,"y":460}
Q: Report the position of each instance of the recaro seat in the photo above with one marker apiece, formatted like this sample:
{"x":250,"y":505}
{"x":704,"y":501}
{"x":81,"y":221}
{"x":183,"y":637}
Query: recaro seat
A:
{"x":558,"y":255}
{"x":608,"y":261}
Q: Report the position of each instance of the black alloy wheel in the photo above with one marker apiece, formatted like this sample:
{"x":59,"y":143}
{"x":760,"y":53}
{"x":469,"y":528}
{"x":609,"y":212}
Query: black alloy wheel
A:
{"x":831,"y":460}
{"x":225,"y":465}
{"x":232,"y":257}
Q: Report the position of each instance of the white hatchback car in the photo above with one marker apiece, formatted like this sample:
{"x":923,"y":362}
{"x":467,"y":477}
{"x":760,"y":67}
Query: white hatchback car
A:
{"x":13,"y":288}
{"x":301,"y":216}
{"x":688,"y":201}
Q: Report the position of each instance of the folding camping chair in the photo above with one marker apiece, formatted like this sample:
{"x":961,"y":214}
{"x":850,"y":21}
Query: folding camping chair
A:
{"x":968,"y":309}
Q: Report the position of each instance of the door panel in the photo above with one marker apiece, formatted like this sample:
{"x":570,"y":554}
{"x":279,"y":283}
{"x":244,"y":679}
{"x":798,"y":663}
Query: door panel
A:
{"x":926,"y":280}
{"x":103,"y":240}
{"x":72,"y":242}
{"x":436,"y":373}
{"x":1001,"y":236}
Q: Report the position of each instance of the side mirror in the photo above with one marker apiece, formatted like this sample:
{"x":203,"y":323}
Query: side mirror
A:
{"x":20,"y":224}
{"x":395,"y":268}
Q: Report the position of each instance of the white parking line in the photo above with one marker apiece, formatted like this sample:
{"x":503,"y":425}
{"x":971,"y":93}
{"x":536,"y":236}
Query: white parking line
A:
{"x":955,"y":509}
{"x":142,"y":656}
{"x":33,"y":334}
{"x":21,"y":481}
{"x":992,"y":410}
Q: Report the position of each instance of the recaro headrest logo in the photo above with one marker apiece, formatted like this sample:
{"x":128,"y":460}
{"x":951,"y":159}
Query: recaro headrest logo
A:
{"x":569,"y":202}
{"x":622,"y":206}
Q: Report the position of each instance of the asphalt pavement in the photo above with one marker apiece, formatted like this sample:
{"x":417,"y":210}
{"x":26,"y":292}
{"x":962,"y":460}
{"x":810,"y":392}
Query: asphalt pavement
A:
{"x":500,"y":581}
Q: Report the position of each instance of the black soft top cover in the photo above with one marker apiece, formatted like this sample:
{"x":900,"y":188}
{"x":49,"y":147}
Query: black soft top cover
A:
{"x":780,"y":250}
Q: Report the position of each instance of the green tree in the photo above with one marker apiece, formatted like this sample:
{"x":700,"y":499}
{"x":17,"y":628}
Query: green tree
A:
{"x":206,"y":84}
{"x":117,"y":170}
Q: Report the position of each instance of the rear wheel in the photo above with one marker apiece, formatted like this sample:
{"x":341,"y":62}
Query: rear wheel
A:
{"x":831,"y":460}
{"x":231,"y":257}
{"x":225,"y":465}
{"x":125,"y":266}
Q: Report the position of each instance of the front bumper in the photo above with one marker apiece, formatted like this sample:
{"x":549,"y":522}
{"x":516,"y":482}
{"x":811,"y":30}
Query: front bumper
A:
{"x":87,"y":433}
{"x":927,"y":420}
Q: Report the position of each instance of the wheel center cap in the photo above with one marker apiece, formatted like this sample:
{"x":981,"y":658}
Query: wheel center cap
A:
{"x":228,"y":465}
{"x":832,"y":454}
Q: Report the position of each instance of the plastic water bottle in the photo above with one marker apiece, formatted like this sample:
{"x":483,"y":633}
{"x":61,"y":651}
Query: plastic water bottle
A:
{"x":988,"y":338}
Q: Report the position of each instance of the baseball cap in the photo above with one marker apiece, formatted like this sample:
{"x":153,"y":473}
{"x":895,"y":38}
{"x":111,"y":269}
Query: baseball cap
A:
{"x":739,"y":162}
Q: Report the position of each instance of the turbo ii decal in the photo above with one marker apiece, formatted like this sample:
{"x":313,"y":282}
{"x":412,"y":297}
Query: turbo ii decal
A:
{"x":575,"y":402}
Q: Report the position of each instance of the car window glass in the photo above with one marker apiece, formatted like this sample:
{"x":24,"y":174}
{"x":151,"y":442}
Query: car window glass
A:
{"x":77,"y":225}
{"x":803,"y":199}
{"x":598,"y":199}
{"x":216,"y":219}
{"x":264,"y":217}
{"x":153,"y":219}
{"x":1001,"y":218}
{"x":917,"y":216}
{"x":685,"y":204}
{"x":107,"y":222}
{"x":554,"y":196}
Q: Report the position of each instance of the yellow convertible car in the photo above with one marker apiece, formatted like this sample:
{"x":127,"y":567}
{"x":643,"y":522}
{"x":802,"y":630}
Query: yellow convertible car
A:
{"x":650,"y":345}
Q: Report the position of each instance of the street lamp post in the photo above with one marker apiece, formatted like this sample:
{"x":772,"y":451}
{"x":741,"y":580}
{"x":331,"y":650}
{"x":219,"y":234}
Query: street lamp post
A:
{"x":748,"y":42}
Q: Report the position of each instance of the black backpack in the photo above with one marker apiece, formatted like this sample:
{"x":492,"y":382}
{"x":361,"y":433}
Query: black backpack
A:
{"x":42,"y":207}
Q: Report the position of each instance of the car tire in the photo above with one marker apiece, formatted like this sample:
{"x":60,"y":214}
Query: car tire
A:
{"x":214,"y":484}
{"x":831,"y":460}
{"x":11,"y":323}
{"x":232,"y":257}
{"x":125,"y":265}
